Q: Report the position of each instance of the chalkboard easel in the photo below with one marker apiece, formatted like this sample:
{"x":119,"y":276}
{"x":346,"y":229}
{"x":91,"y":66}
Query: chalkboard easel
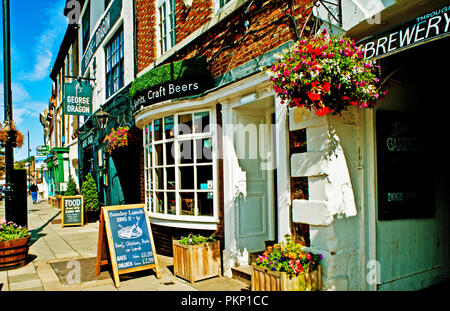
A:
{"x":72,"y":211}
{"x":125,"y":230}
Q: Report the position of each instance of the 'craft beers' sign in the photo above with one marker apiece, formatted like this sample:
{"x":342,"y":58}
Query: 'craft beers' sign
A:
{"x":166,"y":91}
{"x":419,"y":30}
{"x":72,"y":211}
{"x":404,"y":183}
{"x":78,"y":98}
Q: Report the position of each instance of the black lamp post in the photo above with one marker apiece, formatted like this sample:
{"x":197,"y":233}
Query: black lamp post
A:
{"x":9,"y":155}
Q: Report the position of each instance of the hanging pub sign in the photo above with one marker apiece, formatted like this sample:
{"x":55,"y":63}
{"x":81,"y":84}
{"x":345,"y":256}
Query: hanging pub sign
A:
{"x":423,"y":28}
{"x":405,"y":185}
{"x":176,"y":80}
{"x":78,"y":98}
{"x":125,"y":231}
{"x":72,"y":211}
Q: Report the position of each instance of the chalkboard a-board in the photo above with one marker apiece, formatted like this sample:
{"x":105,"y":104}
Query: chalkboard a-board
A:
{"x":129,"y":240}
{"x":405,"y":182}
{"x":72,"y":211}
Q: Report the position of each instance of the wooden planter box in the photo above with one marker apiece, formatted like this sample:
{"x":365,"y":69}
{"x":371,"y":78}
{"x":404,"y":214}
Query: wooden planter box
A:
{"x":196,"y":262}
{"x":14,"y":252}
{"x":265,"y":280}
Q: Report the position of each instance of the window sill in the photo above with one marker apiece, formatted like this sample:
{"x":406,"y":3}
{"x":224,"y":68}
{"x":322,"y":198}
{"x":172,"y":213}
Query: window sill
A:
{"x":188,"y":222}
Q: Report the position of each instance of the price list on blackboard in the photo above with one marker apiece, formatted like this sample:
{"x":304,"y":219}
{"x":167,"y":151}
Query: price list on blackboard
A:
{"x":131,"y":239}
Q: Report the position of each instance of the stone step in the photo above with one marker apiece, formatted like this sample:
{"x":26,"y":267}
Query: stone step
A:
{"x":242,"y":273}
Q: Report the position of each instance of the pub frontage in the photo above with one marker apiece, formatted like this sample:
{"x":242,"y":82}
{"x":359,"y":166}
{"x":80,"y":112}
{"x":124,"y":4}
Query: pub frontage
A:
{"x":224,"y":155}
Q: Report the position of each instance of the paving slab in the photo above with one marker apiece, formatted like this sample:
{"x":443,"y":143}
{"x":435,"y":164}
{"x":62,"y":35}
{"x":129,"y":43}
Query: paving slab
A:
{"x":53,"y":247}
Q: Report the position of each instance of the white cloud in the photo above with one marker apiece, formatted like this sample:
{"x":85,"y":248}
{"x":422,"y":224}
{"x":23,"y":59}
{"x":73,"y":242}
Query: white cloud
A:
{"x":19,"y":93}
{"x":48,"y":42}
{"x":28,"y":109}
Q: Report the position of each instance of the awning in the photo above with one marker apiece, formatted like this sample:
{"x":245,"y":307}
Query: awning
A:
{"x":405,"y":24}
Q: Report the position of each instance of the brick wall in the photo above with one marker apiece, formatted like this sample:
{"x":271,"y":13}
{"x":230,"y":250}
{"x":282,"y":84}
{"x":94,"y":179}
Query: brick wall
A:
{"x":228,"y":44}
{"x":145,"y":33}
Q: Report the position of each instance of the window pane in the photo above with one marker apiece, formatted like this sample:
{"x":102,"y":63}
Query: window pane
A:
{"x":159,"y":155}
{"x":184,"y":124}
{"x":186,"y":151}
{"x":204,"y":177}
{"x":159,"y":178}
{"x":187,"y":203}
{"x":187,"y":177}
{"x":170,"y":153}
{"x":170,"y":171}
{"x":150,"y":127}
{"x":168,"y":126}
{"x":171,"y":203}
{"x":158,"y":129}
{"x":205,"y":203}
{"x":201,"y":120}
{"x":149,"y":180}
{"x":150,"y":201}
{"x":204,"y":150}
{"x":159,"y":202}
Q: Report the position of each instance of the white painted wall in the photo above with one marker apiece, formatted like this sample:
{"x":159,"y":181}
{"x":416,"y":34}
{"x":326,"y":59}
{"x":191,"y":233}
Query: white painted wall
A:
{"x":125,"y":20}
{"x":353,"y":12}
{"x":333,"y":209}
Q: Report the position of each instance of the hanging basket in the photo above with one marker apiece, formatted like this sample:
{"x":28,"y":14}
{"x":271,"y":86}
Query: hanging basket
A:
{"x":18,"y":136}
{"x":326,"y":74}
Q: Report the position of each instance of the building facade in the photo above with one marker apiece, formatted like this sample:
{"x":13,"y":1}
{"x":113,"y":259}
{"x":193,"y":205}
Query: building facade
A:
{"x":242,"y":177}
{"x":106,"y":59}
{"x":59,"y":128}
{"x":213,"y":150}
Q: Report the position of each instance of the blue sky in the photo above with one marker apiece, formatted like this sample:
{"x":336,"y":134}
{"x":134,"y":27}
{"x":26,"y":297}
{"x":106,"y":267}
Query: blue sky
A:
{"x":37,"y":30}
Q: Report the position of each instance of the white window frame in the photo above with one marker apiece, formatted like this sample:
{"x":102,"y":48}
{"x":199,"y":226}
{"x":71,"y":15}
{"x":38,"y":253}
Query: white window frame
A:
{"x":218,"y":7}
{"x":178,"y":220}
{"x":169,"y":29}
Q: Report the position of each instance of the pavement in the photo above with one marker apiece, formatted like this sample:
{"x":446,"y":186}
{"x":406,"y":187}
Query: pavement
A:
{"x":56,"y":253}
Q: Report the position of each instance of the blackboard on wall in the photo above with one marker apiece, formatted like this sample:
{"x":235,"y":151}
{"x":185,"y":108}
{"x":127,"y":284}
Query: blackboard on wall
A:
{"x":405,"y":179}
{"x":129,"y":240}
{"x":72,"y":211}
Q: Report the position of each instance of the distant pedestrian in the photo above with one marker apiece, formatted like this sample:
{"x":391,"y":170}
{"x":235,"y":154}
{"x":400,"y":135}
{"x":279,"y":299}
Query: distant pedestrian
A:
{"x":34,"y":192}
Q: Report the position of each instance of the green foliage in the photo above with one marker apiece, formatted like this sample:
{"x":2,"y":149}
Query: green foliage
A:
{"x":71,"y":187}
{"x":193,"y":68}
{"x":192,"y":239}
{"x":11,"y":231}
{"x":90,"y":194}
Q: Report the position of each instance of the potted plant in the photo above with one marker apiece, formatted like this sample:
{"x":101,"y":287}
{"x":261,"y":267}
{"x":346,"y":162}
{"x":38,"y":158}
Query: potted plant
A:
{"x":18,"y":142}
{"x":196,"y":257}
{"x":90,"y":198}
{"x":14,"y":244}
{"x":326,"y":74}
{"x":286,"y":266}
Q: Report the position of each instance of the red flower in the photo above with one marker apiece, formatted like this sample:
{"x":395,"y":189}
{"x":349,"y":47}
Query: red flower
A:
{"x":314,"y":96}
{"x":326,"y":87}
{"x":322,"y":111}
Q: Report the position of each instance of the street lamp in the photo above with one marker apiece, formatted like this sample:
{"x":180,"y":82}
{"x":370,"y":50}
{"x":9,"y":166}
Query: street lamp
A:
{"x":102,"y":118}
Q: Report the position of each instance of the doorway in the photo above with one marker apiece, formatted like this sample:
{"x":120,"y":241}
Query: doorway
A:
{"x":253,"y":143}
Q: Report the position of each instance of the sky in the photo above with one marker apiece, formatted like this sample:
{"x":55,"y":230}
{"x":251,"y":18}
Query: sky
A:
{"x":37,"y":30}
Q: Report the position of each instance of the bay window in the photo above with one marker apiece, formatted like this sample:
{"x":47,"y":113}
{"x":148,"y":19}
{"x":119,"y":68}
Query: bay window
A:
{"x":180,"y":168}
